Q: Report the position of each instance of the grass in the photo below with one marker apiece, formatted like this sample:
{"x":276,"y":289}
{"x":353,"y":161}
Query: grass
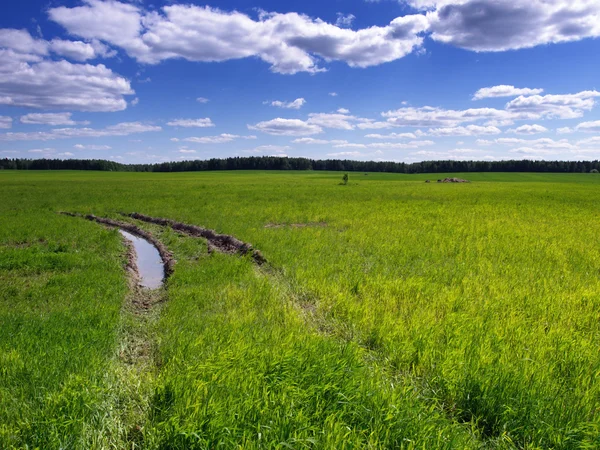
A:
{"x":421,"y":315}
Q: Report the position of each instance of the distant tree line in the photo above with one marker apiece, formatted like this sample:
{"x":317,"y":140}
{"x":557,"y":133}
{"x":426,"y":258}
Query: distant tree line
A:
{"x":278,"y":163}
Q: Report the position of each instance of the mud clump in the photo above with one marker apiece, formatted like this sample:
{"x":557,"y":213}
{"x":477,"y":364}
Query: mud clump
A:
{"x":453,"y":180}
{"x":221,"y":242}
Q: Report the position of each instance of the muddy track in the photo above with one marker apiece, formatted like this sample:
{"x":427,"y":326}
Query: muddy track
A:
{"x":221,"y":242}
{"x":165,"y":255}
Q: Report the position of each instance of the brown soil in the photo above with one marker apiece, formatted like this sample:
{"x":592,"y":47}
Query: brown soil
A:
{"x":220,"y":242}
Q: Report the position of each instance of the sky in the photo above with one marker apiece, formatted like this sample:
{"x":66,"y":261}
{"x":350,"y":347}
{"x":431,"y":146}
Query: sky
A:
{"x":145,"y":81}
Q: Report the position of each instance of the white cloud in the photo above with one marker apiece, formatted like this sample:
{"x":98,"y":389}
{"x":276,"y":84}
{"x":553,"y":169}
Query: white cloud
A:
{"x":289,"y":42}
{"x":392,"y":136}
{"x":5,"y":122}
{"x":52,"y":119}
{"x":286,"y":127}
{"x":92,"y":147}
{"x":278,"y":149}
{"x":344,"y":20}
{"x":401,"y":145}
{"x":186,"y":150}
{"x":540,"y":144}
{"x":374,"y":125}
{"x":67,"y":154}
{"x":428,"y":116}
{"x":333,"y":94}
{"x":191,"y":123}
{"x":27,"y":80}
{"x":595,"y":141}
{"x":565,"y":106}
{"x":76,"y":50}
{"x":470,"y":130}
{"x":120,"y":129}
{"x":343,"y":111}
{"x":504,"y":90}
{"x":22,"y":42}
{"x":511,"y":24}
{"x":350,"y":145}
{"x":135,"y":101}
{"x":564,"y":130}
{"x":340,"y":121}
{"x":529,"y":129}
{"x":202,"y":100}
{"x":220,"y":139}
{"x":589,"y":126}
{"x":296,"y":104}
{"x":312,"y":141}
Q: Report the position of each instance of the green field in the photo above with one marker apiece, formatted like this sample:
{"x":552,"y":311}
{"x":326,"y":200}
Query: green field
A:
{"x":392,"y":313}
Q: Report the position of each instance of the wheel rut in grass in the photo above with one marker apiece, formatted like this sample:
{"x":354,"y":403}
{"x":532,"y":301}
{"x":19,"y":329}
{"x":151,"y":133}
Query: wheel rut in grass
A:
{"x":133,"y":378}
{"x":220,"y":242}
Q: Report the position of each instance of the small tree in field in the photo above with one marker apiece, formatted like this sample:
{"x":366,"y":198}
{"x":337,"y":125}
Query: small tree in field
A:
{"x":345,"y":179}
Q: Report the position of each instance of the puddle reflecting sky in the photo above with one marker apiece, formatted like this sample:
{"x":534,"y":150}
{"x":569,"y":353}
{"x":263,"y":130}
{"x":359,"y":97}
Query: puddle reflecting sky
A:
{"x":148,"y":261}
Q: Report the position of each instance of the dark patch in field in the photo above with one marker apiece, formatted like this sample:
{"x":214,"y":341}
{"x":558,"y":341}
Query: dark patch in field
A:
{"x":296,"y":225}
{"x":453,"y":180}
{"x":221,"y":242}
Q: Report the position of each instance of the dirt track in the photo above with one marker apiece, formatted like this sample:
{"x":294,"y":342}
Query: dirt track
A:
{"x":221,"y":242}
{"x":165,"y":255}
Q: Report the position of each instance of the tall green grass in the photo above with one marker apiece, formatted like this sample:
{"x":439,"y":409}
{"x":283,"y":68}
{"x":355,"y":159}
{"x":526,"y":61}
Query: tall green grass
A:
{"x":422,"y":315}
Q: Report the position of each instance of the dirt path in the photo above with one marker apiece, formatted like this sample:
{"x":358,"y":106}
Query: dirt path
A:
{"x":221,"y":242}
{"x":135,"y":366}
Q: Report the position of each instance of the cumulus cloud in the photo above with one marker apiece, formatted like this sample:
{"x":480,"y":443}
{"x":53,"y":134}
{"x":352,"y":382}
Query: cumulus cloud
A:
{"x":21,"y":41}
{"x":481,"y":25}
{"x":344,"y":20}
{"x":287,"y":127}
{"x":428,"y":116}
{"x":202,"y":100}
{"x":470,"y":130}
{"x":5,"y":122}
{"x":52,"y":119}
{"x":392,"y":136}
{"x":565,"y":106}
{"x":335,"y":120}
{"x":271,"y":149}
{"x":313,"y":141}
{"x":528,"y":129}
{"x":120,"y":129}
{"x":564,"y":130}
{"x":92,"y":147}
{"x":29,"y":80}
{"x":333,"y":94}
{"x":343,"y":111}
{"x":504,"y":90}
{"x":191,"y":123}
{"x":539,"y":144}
{"x":289,"y":42}
{"x":220,"y":139}
{"x":296,"y":104}
{"x":589,"y":126}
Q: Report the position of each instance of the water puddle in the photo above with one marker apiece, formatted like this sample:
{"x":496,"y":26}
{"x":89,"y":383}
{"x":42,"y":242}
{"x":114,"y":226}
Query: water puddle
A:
{"x":148,"y":261}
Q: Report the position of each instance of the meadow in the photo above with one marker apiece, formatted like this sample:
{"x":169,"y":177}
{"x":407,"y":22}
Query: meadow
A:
{"x":392,"y":313}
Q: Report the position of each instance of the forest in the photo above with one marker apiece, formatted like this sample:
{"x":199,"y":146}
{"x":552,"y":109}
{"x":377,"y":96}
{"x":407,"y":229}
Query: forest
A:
{"x":285,"y":163}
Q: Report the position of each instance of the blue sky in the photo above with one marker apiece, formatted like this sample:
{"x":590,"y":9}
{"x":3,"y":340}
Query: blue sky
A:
{"x":401,"y":80}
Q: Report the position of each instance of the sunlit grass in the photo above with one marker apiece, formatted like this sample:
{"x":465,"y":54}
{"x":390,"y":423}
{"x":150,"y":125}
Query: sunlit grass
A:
{"x":421,"y":315}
